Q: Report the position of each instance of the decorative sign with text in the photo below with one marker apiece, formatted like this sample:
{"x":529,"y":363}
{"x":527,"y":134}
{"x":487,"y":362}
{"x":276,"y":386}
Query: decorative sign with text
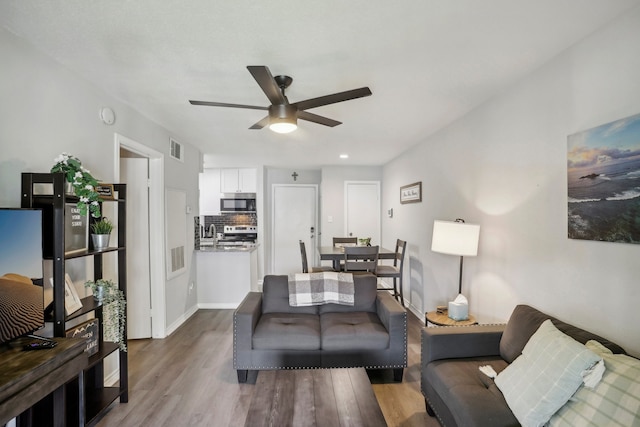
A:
{"x":89,"y":332}
{"x":76,"y":229}
{"x":105,"y":191}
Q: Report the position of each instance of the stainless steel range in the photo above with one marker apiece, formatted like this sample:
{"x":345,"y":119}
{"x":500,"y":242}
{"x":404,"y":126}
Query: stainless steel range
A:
{"x":239,"y":235}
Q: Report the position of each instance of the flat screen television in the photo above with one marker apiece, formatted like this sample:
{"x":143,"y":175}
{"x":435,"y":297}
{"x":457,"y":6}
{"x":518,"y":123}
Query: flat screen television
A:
{"x":21,"y":272}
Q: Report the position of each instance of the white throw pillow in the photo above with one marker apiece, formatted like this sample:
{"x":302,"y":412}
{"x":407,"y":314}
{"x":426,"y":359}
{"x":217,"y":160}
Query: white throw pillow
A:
{"x":545,"y":375}
{"x":615,"y":401}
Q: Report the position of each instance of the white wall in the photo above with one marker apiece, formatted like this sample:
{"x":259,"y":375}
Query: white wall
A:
{"x":45,"y":109}
{"x":503,"y":166}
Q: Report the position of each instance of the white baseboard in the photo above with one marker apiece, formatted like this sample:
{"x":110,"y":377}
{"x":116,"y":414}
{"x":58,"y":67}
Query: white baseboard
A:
{"x":416,"y":311}
{"x":112,"y":379}
{"x":175,"y":325}
{"x":413,"y":309}
{"x":219,"y":306}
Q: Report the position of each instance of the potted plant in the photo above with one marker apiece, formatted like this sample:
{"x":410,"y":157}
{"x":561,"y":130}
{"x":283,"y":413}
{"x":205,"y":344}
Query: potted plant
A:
{"x":365,"y":241}
{"x":100,"y":232}
{"x":82,"y":181}
{"x":115,"y":310}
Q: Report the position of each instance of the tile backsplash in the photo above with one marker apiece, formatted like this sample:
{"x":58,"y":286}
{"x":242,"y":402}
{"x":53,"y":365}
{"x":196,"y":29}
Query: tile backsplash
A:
{"x":220,"y":221}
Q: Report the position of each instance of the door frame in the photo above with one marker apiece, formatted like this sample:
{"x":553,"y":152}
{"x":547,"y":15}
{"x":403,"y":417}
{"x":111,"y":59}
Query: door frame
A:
{"x":156,"y":226}
{"x":273,"y":216}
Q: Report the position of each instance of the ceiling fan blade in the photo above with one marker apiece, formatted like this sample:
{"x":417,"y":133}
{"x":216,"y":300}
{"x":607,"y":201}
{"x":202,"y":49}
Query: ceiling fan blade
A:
{"x":262,"y":123}
{"x":267,"y":83}
{"x":310,"y":117}
{"x":332,"y":99}
{"x":222,"y":104}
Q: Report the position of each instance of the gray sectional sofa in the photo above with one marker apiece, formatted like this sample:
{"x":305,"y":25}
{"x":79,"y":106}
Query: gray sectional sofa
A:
{"x":454,"y":388}
{"x":268,"y":333}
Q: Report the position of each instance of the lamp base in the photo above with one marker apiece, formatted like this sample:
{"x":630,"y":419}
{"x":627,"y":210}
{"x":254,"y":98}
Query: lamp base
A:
{"x":459,"y":308}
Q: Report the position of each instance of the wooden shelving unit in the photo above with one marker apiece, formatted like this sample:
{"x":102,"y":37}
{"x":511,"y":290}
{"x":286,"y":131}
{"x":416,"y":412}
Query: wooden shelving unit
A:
{"x":53,"y":201}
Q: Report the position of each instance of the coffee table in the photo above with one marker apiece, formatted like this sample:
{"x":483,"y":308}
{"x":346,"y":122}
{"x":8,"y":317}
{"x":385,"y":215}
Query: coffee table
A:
{"x":314,"y":397}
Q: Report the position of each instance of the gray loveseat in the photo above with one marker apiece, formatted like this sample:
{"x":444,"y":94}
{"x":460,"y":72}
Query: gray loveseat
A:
{"x":454,"y":388}
{"x":270,"y":334}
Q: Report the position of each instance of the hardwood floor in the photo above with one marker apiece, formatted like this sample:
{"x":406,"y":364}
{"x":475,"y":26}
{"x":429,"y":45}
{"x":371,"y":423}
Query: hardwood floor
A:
{"x":188,"y":379}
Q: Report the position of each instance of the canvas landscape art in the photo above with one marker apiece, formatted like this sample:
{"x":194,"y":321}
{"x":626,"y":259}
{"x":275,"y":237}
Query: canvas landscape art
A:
{"x":603,"y":167}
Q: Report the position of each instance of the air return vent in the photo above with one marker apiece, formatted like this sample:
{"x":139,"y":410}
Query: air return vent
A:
{"x":176,"y":150}
{"x":176,"y":236}
{"x":177,"y":258}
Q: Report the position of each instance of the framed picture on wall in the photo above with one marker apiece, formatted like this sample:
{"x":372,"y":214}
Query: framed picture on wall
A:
{"x":411,"y":193}
{"x":603,"y":177}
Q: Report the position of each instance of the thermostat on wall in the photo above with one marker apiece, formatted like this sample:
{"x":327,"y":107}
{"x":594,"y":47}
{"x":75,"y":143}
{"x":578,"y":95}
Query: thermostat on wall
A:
{"x":107,"y":115}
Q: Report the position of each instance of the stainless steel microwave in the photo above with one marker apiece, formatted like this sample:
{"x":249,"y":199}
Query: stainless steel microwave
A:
{"x":237,"y":205}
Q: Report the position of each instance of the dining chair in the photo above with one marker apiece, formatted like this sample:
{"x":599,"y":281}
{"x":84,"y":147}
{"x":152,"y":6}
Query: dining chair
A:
{"x":342,"y":242}
{"x":305,"y":265}
{"x":394,"y":271}
{"x":345,"y":241}
{"x":361,"y":259}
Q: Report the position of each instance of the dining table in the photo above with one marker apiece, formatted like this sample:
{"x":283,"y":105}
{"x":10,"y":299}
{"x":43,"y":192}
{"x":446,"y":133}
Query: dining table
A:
{"x":335,"y":254}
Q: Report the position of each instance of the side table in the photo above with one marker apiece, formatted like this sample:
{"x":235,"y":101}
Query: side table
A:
{"x":442,"y":319}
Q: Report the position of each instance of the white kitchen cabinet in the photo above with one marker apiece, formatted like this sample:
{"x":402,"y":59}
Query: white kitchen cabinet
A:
{"x":225,"y":276}
{"x":238,"y":180}
{"x":209,"y":185}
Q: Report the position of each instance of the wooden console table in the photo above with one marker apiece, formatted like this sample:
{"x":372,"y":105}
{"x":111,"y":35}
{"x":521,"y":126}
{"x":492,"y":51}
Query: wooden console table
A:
{"x":28,"y":376}
{"x":318,"y":397}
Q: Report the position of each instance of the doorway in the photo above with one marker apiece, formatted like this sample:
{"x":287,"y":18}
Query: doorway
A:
{"x":294,"y":218}
{"x":146,"y":293}
{"x":362,"y":210}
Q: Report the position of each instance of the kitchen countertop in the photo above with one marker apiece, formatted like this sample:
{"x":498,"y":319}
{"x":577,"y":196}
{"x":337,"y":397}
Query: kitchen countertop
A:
{"x":227,"y":248}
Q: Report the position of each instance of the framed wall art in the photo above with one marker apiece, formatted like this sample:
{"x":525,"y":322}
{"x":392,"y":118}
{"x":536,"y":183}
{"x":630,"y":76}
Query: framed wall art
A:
{"x":411,"y":193}
{"x":72,"y":301}
{"x":603,"y":177}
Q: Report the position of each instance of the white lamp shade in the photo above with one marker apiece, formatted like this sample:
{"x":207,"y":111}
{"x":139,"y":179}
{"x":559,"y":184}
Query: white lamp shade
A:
{"x":455,"y":238}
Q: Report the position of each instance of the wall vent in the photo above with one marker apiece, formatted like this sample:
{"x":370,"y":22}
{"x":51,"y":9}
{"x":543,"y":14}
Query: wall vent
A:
{"x":175,"y":227}
{"x":177,"y":258}
{"x":176,"y":150}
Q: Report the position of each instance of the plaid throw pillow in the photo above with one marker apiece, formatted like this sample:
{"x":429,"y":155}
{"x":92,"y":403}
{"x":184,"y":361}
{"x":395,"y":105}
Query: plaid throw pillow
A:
{"x":615,"y":401}
{"x":544,"y":377}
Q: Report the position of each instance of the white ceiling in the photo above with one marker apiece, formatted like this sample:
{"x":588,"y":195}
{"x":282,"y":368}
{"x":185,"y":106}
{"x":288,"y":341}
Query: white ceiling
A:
{"x":427,"y":62}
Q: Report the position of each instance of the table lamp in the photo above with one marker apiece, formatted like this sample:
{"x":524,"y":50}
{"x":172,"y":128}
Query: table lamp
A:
{"x":456,"y":238}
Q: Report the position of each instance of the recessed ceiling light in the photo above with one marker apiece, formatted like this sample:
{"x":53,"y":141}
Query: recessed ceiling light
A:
{"x":344,"y":156}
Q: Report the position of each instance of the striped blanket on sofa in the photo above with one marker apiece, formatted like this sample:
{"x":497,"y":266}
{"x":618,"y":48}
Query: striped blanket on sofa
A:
{"x":327,"y":287}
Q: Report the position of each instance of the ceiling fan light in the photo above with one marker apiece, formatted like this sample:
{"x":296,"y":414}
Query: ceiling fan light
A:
{"x":282,"y":118}
{"x":283,"y":127}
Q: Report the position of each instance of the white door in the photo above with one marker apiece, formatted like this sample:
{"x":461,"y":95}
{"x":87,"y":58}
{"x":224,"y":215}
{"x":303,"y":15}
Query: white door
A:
{"x":362,"y":210}
{"x":294,"y":219}
{"x":135,"y":173}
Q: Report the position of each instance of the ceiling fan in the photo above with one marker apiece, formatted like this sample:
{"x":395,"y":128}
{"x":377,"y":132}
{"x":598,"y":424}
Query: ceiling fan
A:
{"x":283,"y":116}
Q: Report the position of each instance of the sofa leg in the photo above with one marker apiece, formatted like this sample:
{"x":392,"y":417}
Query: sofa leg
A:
{"x":429,"y":409}
{"x":242,"y":375}
{"x":397,"y":375}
